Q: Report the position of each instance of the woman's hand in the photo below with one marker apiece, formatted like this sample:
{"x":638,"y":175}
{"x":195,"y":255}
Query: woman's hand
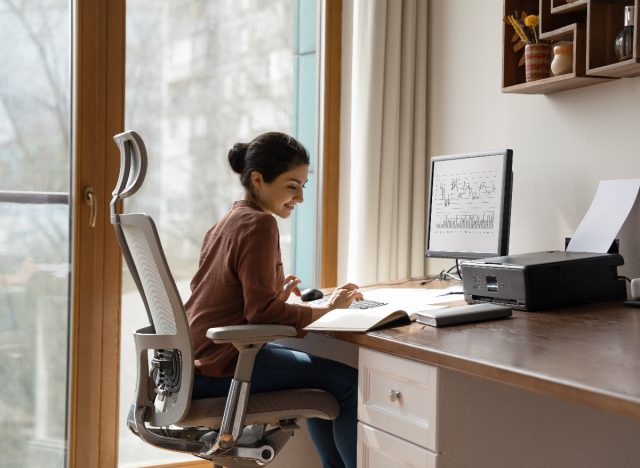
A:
{"x":342,"y":297}
{"x":291,"y":285}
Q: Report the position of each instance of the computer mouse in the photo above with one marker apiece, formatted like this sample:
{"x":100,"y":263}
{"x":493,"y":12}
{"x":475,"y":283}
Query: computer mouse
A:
{"x":311,"y":294}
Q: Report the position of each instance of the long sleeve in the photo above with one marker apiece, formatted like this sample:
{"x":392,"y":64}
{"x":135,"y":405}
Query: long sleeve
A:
{"x":261,"y":275}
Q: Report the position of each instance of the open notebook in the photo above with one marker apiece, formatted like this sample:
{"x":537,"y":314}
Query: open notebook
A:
{"x":424,"y":305}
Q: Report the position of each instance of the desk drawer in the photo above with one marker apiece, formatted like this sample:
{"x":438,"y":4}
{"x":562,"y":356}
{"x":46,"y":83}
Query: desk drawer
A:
{"x":377,"y":449}
{"x":398,"y":396}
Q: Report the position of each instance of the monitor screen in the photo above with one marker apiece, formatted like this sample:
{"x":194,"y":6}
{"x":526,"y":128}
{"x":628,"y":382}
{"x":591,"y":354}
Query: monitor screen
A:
{"x":469,"y":205}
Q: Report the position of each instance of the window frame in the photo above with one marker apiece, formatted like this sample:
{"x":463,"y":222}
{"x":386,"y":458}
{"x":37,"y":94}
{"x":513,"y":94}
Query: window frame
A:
{"x":98,"y":114}
{"x":330,"y":86}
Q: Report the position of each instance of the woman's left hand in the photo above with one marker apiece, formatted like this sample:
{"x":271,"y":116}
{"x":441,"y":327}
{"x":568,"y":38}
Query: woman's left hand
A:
{"x":342,"y":297}
{"x":291,"y":285}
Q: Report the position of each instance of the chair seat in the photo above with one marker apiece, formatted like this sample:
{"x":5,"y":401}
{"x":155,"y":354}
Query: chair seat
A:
{"x":265,"y":407}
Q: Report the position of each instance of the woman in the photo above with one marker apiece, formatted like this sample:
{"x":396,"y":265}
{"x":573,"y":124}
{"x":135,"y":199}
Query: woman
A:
{"x":240,"y":280}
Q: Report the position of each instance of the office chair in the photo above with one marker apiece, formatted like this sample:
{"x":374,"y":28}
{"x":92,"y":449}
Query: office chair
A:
{"x":238,"y":430}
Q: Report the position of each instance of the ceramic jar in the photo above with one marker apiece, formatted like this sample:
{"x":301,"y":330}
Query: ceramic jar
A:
{"x":562,"y":59}
{"x":537,"y":59}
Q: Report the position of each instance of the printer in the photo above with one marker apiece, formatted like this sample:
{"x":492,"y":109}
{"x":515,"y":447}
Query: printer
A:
{"x":543,"y":280}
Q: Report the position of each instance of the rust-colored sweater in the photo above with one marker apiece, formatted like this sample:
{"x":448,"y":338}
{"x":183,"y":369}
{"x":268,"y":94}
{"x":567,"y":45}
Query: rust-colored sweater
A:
{"x":239,"y":280}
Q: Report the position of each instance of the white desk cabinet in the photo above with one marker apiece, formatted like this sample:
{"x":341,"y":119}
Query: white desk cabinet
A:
{"x":415,"y":415}
{"x":377,"y":449}
{"x":397,"y":411}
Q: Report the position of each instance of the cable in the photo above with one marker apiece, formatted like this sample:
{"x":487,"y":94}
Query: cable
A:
{"x":444,"y":275}
{"x":439,"y":276}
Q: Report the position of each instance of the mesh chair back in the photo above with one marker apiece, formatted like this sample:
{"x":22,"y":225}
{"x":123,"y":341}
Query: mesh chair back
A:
{"x":164,"y":382}
{"x":154,"y":287}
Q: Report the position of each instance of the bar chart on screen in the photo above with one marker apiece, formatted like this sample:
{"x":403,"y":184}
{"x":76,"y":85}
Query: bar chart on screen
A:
{"x":469,"y":221}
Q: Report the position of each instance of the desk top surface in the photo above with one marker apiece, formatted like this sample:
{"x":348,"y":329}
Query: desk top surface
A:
{"x":587,"y":353}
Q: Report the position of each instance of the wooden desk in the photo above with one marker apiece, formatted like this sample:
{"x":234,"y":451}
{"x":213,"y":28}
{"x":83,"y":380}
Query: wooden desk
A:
{"x":588,"y":354}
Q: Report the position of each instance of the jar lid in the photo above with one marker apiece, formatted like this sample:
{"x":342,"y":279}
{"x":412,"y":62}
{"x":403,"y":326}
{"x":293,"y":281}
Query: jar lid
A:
{"x":563,"y":48}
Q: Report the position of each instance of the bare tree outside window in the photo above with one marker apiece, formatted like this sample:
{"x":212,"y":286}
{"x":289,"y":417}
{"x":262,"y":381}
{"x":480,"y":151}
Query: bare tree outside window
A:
{"x":35,"y":160}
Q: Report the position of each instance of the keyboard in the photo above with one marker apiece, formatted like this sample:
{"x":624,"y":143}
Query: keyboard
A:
{"x":363,"y":304}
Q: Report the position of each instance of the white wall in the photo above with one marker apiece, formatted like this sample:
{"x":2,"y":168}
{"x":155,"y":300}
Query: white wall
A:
{"x":563,"y":143}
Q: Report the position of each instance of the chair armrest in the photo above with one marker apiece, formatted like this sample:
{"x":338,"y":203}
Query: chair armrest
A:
{"x":247,"y":339}
{"x":250,"y":333}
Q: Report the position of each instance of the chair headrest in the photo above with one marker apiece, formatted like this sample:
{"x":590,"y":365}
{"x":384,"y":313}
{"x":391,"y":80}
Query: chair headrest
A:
{"x":133,"y":166}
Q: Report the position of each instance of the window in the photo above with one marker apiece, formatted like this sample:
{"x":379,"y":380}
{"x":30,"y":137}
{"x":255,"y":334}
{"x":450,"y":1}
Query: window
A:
{"x":35,"y":163}
{"x":260,"y":75}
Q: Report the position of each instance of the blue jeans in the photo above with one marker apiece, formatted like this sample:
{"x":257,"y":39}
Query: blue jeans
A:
{"x":280,"y":368}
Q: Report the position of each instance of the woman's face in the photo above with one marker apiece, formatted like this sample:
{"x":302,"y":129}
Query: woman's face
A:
{"x":281,"y":195}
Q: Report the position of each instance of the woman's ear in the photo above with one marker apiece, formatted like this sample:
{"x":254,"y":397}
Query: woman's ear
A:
{"x":256,"y":180}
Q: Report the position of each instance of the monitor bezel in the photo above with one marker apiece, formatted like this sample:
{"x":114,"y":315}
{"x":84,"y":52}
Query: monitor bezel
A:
{"x":505,"y":206}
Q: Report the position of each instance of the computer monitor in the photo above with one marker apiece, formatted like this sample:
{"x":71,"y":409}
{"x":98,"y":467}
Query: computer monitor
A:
{"x":469,"y":205}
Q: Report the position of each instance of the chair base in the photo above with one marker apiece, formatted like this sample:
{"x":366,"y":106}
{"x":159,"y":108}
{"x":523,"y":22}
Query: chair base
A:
{"x":255,"y":447}
{"x":254,"y":453}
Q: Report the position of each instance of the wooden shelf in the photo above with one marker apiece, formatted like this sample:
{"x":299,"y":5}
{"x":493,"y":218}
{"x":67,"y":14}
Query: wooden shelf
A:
{"x":626,"y":69}
{"x":591,"y":25}
{"x":562,"y":6}
{"x":605,"y":21}
{"x":554,"y":84}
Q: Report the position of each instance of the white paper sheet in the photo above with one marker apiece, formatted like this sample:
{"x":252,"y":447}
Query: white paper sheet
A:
{"x":606,"y":215}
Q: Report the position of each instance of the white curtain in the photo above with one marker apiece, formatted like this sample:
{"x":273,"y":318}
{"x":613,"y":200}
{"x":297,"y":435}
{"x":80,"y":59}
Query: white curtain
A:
{"x":383,"y":195}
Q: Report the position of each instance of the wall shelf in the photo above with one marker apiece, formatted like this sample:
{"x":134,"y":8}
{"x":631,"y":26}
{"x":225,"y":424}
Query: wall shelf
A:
{"x":605,"y":21}
{"x":591,"y":25}
{"x":562,"y":6}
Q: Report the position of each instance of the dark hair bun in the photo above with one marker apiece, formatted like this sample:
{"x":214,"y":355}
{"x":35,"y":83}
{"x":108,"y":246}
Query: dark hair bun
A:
{"x":237,"y":156}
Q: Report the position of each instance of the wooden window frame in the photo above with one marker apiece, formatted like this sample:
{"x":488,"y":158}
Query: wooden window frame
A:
{"x":332,"y":71}
{"x":98,"y":81}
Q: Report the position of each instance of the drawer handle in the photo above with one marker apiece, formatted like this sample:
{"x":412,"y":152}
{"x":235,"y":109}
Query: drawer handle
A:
{"x":394,"y":395}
